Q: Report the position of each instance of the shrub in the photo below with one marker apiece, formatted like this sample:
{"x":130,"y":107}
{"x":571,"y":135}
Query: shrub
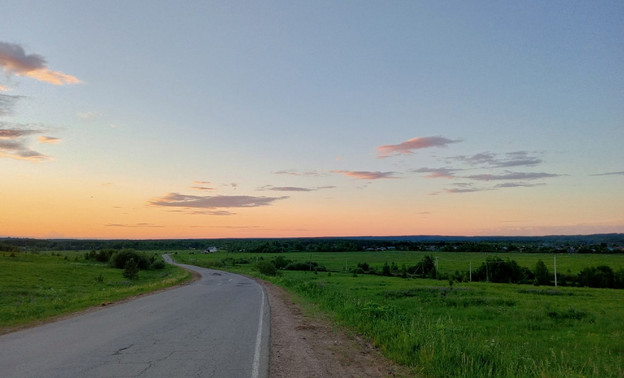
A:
{"x":280,"y":262}
{"x":266,"y":268}
{"x":601,"y":276}
{"x":118,"y":259}
{"x":103,"y":255}
{"x":131,"y":269}
{"x":308,"y":265}
{"x":158,"y":264}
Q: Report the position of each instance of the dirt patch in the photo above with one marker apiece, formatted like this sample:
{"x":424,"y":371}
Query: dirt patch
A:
{"x":311,"y":347}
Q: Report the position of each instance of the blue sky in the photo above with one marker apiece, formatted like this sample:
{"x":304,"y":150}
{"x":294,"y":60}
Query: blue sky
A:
{"x":210,"y":119}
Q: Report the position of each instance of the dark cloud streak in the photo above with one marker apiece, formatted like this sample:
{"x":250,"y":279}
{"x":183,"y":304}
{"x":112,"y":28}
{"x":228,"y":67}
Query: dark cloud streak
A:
{"x":212,"y":202}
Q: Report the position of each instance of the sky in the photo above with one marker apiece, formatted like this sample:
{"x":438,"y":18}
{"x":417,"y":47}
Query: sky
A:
{"x":247,"y":119}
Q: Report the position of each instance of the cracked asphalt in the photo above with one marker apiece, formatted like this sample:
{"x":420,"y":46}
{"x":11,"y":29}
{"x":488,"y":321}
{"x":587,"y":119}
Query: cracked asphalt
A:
{"x":218,"y":326}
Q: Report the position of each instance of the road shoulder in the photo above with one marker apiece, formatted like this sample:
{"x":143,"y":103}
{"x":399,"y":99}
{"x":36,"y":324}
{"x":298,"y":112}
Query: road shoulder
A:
{"x":311,"y":347}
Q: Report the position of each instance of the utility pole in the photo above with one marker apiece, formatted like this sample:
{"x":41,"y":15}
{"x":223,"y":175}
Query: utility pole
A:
{"x":555,"y":270}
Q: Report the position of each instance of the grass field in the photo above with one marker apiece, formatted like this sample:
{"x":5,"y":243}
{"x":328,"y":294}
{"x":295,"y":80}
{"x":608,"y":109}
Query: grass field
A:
{"x":465,"y":329}
{"x":34,"y":287}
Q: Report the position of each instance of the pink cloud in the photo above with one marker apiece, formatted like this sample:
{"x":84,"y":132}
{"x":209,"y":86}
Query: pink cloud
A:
{"x":368,"y":175}
{"x":14,"y":60}
{"x":212,"y":202}
{"x":437,"y":172}
{"x":409,"y":146}
{"x":48,"y":139}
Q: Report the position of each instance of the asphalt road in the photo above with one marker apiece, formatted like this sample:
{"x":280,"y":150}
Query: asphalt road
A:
{"x":217,"y":326}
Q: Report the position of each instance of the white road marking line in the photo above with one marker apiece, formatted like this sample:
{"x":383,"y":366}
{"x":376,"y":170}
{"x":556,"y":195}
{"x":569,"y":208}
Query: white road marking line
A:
{"x":255,"y":371}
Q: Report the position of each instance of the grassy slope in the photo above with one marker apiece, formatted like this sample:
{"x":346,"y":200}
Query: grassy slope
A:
{"x":34,"y":287}
{"x":469,"y":329}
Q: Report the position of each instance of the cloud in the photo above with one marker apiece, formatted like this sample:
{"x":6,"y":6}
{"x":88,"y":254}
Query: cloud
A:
{"x":136,"y":225}
{"x":368,"y":175}
{"x":48,"y":139}
{"x":212,"y":202}
{"x":14,"y":142}
{"x":621,"y":173}
{"x":409,"y":146}
{"x":510,"y":159}
{"x":463,"y":190}
{"x":294,"y":172}
{"x":517,"y":185}
{"x":7,"y":104}
{"x":205,"y":212}
{"x":437,"y":172}
{"x":294,"y":188}
{"x":89,"y":116}
{"x":14,"y":60}
{"x":15,"y":132}
{"x":512,"y":176}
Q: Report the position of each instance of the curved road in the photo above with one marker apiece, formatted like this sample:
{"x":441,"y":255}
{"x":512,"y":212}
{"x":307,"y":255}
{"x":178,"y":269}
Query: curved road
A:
{"x":217,"y":326}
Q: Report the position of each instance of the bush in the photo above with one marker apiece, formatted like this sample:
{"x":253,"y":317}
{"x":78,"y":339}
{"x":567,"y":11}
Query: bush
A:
{"x":158,"y":264}
{"x":308,"y":265}
{"x":118,"y":259}
{"x":280,"y":262}
{"x":266,"y":268}
{"x":131,"y":269}
{"x":601,"y":276}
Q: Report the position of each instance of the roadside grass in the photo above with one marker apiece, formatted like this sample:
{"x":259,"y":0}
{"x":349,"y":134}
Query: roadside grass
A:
{"x":35,"y":287}
{"x":468,"y":329}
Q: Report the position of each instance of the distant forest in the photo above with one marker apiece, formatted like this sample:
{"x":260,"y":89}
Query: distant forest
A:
{"x":599,"y":243}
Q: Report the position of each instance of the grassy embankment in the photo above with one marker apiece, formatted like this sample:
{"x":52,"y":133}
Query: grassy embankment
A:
{"x":35,"y":287}
{"x":468,"y":329}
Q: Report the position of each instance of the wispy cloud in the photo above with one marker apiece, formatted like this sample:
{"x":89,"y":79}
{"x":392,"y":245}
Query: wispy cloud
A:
{"x":620,"y":173}
{"x":492,"y":160}
{"x":89,"y":116}
{"x":448,"y":173}
{"x":463,"y":190}
{"x":294,"y":172}
{"x":293,"y":188}
{"x":48,"y":139}
{"x":177,"y":200}
{"x":201,"y":185}
{"x":136,"y":225}
{"x":410,"y":145}
{"x":368,"y":175}
{"x":7,"y":104}
{"x":517,"y":185}
{"x":14,"y":60}
{"x":512,"y":176}
{"x":14,"y":142}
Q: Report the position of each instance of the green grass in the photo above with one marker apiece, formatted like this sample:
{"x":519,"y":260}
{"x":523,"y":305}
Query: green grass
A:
{"x":467,"y":329}
{"x":35,"y":287}
{"x":448,"y":262}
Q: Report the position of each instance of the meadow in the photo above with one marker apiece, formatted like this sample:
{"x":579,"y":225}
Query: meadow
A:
{"x":441,"y":328}
{"x":35,"y":287}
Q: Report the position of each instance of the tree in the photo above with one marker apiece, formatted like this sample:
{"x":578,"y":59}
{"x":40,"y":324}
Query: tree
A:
{"x":542,"y":276}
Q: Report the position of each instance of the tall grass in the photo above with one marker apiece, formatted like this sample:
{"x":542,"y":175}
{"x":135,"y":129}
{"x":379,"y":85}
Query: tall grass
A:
{"x":35,"y":287}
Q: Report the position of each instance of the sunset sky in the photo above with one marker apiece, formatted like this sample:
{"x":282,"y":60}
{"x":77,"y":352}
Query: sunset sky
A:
{"x":215,"y":119}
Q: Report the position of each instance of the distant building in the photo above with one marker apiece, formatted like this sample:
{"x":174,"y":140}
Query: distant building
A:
{"x":211,"y":250}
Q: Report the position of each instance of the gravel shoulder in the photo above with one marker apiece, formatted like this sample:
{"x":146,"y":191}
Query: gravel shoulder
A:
{"x":308,"y":346}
